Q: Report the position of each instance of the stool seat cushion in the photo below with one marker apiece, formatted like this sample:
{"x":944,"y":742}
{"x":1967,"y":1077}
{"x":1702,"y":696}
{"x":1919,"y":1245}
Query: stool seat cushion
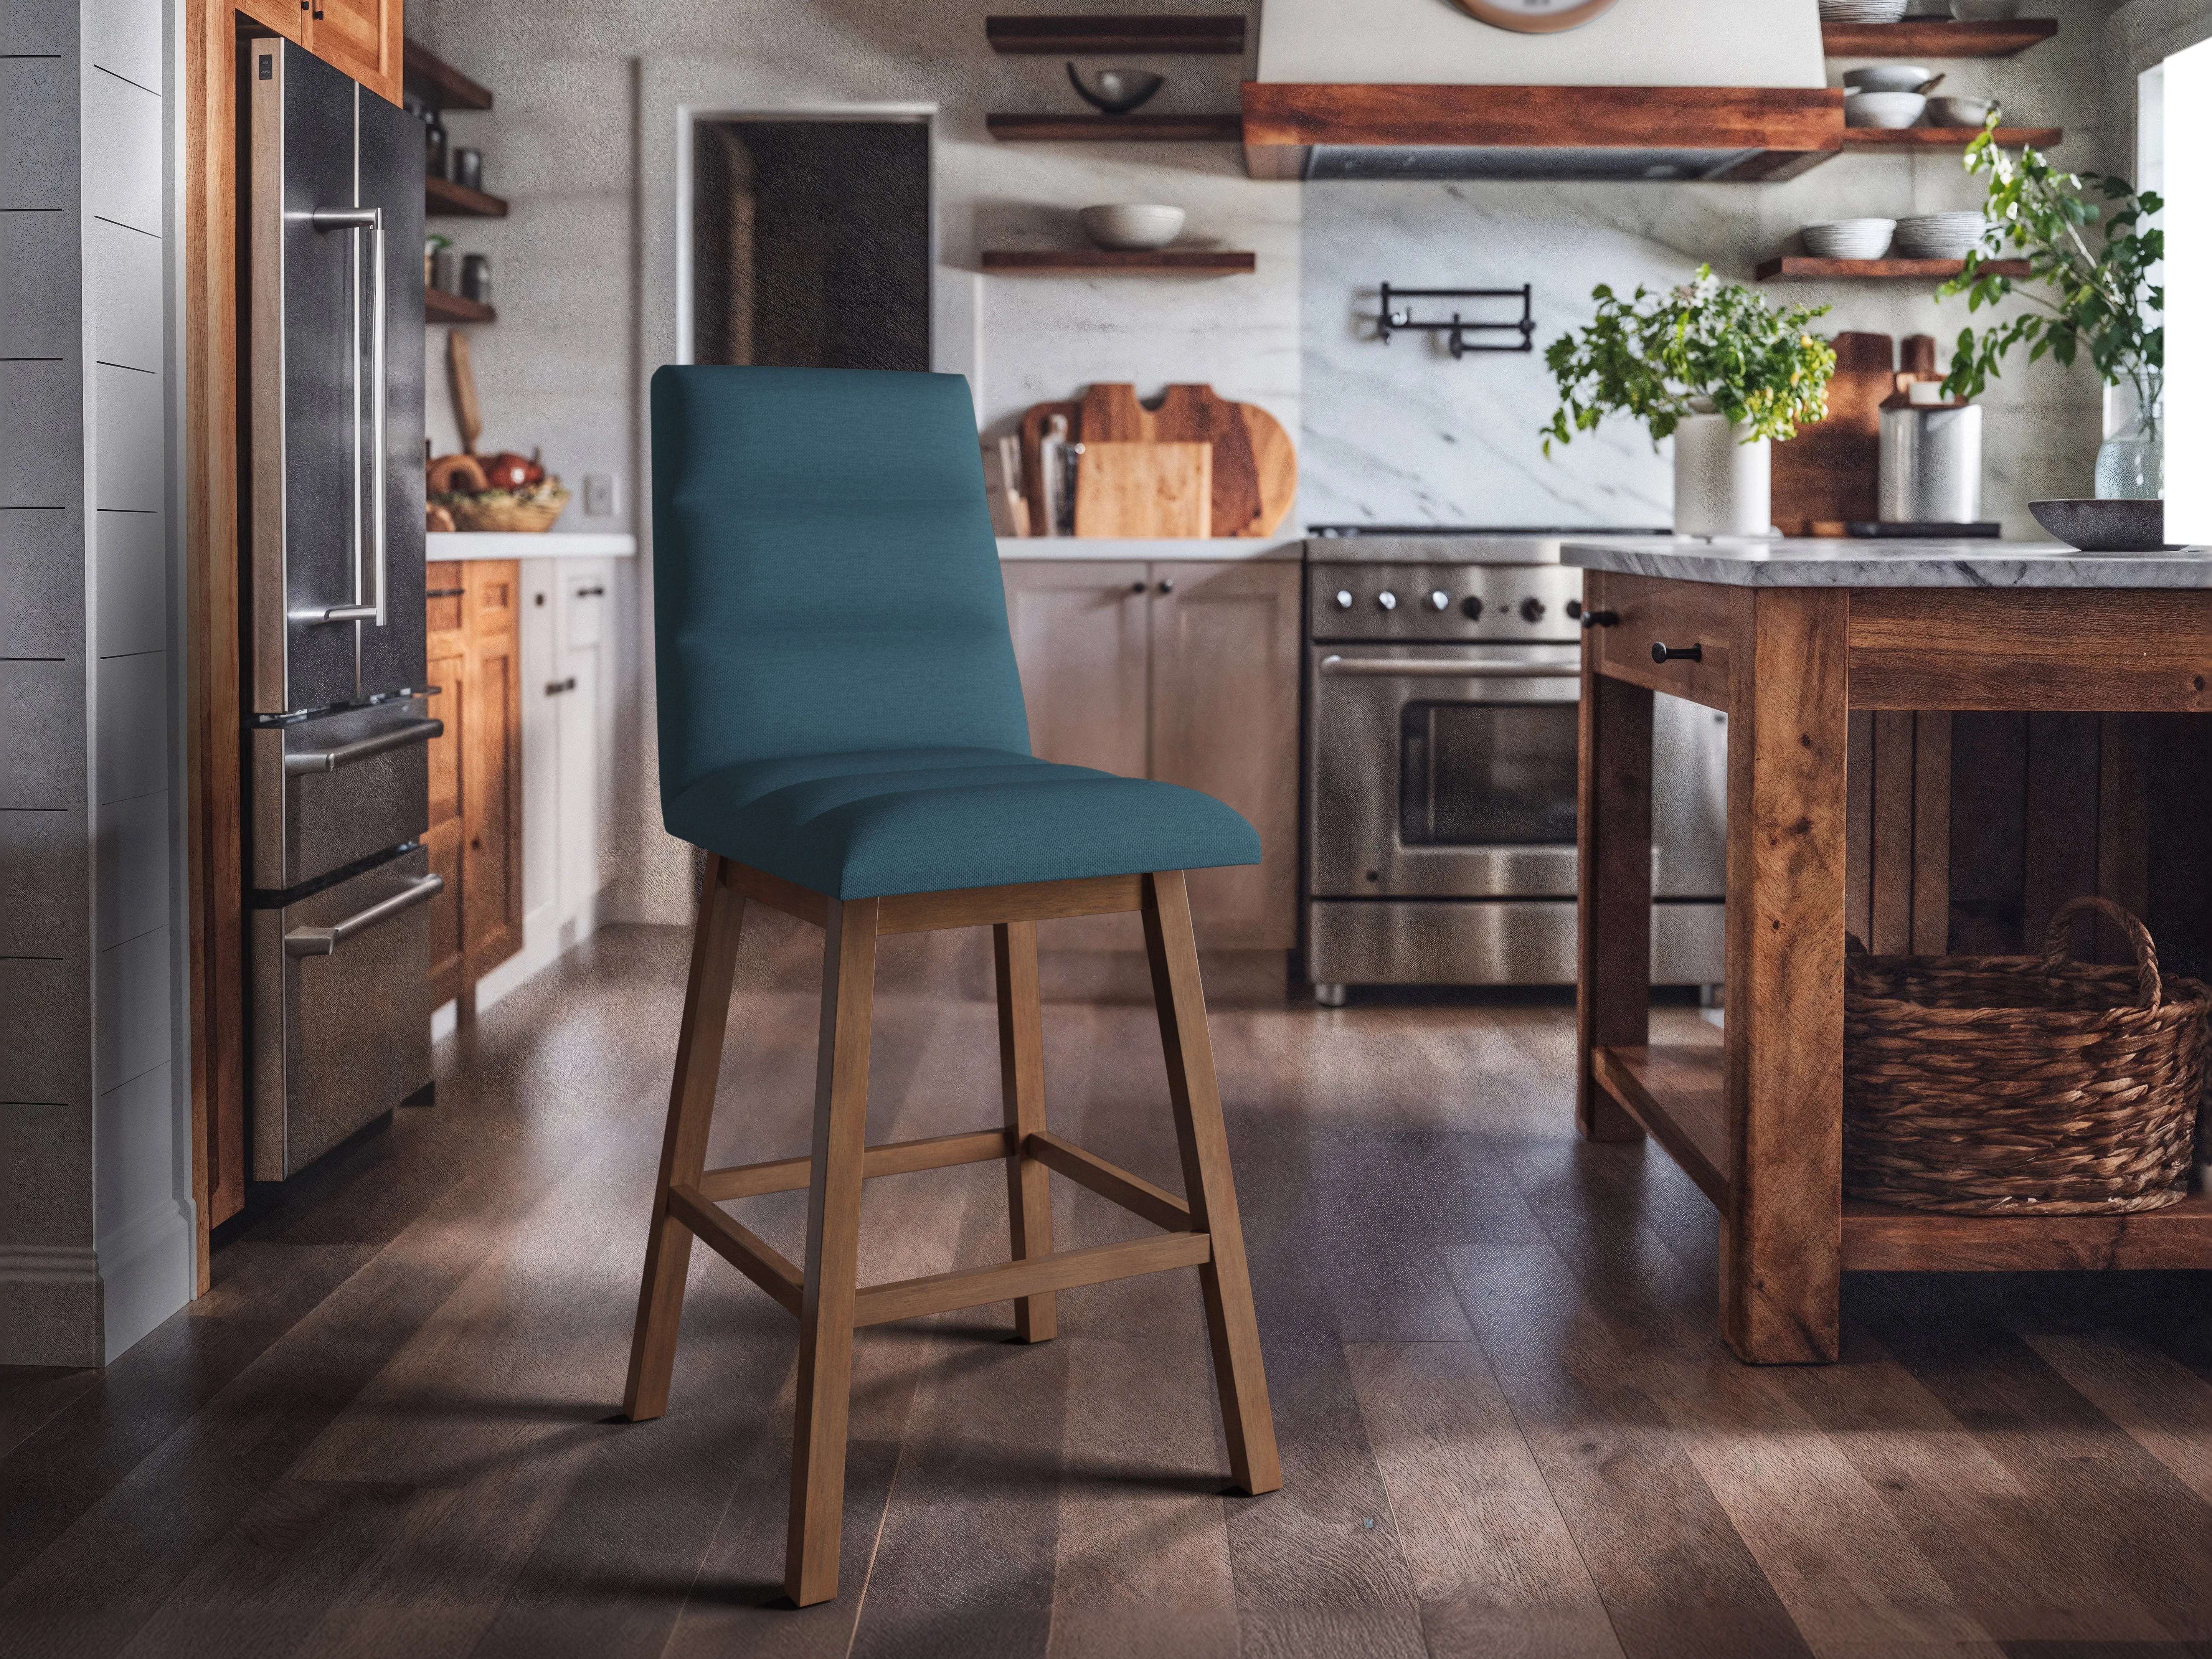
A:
{"x":932,"y":820}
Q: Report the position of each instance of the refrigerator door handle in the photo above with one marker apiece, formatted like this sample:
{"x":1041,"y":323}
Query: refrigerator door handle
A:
{"x":325,"y":941}
{"x":345,"y":754}
{"x":369,"y":605}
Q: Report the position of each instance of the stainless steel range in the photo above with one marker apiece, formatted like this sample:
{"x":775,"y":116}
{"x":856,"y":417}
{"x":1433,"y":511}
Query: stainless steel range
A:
{"x":1442,"y":677}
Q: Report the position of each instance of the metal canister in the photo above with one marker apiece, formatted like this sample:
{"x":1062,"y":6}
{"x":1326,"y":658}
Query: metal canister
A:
{"x":1931,"y":464}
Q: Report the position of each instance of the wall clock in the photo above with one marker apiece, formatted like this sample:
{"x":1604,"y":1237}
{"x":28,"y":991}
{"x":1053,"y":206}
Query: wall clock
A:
{"x":1535,"y":16}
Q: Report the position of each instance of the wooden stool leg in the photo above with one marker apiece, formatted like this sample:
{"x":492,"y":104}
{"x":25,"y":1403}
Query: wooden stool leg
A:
{"x":833,"y":1252}
{"x":683,"y":1150}
{"x":1245,"y":1420}
{"x":1021,"y":1075}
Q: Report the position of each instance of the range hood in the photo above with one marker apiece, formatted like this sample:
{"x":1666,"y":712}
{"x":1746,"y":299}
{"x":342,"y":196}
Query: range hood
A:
{"x":1649,"y":90}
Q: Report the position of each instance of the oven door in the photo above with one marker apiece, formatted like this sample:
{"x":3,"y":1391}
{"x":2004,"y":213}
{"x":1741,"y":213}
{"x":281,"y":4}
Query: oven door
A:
{"x":1443,"y":771}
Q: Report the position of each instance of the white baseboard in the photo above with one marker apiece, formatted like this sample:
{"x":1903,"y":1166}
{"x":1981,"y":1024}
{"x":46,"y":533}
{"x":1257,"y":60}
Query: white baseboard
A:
{"x":146,"y":1268}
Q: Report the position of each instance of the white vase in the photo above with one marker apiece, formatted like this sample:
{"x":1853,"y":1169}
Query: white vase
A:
{"x":1722,"y":487}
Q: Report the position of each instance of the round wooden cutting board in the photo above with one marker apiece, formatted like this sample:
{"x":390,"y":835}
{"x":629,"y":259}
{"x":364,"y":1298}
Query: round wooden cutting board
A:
{"x":1255,"y":468}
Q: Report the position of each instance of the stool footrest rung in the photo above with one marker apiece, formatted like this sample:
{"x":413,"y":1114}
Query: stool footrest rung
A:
{"x":789,"y":1175}
{"x":1109,"y":1180}
{"x":742,"y":1248}
{"x":1007,"y":1281}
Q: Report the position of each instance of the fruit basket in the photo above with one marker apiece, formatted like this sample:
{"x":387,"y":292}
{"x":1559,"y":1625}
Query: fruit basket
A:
{"x":505,"y":493}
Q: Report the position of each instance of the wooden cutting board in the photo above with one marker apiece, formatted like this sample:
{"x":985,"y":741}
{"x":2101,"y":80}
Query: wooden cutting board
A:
{"x":1828,"y":475}
{"x":1144,"y":490}
{"x":1255,"y":467}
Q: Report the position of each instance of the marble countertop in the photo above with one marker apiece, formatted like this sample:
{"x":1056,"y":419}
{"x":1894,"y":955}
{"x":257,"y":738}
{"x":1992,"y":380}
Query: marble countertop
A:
{"x":1791,"y":562}
{"x":1218,"y":549}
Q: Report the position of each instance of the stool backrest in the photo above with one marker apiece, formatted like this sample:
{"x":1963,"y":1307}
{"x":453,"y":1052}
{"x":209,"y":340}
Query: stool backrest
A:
{"x":825,"y":579}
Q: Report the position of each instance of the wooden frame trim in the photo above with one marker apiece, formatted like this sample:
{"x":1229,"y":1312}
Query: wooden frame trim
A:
{"x":790,"y":1175}
{"x":1792,"y":119}
{"x":1662,"y":1089}
{"x":1110,"y":1181}
{"x":1006,"y":1281}
{"x":739,"y":1245}
{"x":960,"y":906}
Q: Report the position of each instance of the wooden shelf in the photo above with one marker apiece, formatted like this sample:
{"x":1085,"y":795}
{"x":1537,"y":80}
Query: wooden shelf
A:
{"x":1677,"y":1093}
{"x":446,"y":199}
{"x":1800,"y":267}
{"x":438,"y":84}
{"x":1946,"y":137}
{"x":1108,"y":129}
{"x":439,"y":306}
{"x":1935,"y":37}
{"x":1163,"y":34}
{"x":1189,"y":262}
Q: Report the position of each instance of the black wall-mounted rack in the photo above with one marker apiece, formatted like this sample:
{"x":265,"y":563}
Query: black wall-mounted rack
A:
{"x":1462,"y":335}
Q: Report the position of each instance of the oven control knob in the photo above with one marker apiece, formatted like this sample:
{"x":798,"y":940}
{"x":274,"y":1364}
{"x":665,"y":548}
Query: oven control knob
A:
{"x":1386,"y":599}
{"x":1471,"y":608}
{"x":1439,"y":600}
{"x":1532,"y":611}
{"x":1344,"y":599}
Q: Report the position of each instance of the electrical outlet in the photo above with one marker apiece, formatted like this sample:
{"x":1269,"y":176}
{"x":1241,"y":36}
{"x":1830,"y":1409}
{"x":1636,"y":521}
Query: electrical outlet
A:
{"x":602,"y":498}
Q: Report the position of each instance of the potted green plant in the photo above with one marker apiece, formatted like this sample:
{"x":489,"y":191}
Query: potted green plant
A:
{"x":2090,"y":257}
{"x":1714,"y":365}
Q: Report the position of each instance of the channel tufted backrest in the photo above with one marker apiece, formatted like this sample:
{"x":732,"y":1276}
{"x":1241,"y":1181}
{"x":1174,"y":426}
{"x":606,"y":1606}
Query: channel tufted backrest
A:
{"x":826,"y":578}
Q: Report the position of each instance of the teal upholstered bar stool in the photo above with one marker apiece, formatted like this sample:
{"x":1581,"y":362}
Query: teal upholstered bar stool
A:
{"x":842,"y":729}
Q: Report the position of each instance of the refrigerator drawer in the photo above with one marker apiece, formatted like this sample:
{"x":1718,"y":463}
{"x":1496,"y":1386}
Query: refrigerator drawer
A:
{"x":341,"y":1029}
{"x":1491,"y":942}
{"x":331,"y":792}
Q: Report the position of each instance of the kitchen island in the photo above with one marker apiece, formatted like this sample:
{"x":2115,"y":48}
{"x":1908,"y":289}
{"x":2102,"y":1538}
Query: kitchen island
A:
{"x":1788,"y":637}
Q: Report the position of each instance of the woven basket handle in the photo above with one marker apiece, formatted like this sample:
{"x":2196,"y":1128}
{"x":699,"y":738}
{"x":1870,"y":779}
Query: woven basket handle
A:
{"x":2149,"y":989}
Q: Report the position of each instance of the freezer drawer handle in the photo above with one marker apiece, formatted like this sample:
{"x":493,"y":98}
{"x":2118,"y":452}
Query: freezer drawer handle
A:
{"x":325,"y":941}
{"x":591,"y":593}
{"x":1450,"y":671}
{"x":369,"y":606}
{"x":345,"y":754}
{"x":554,"y":687}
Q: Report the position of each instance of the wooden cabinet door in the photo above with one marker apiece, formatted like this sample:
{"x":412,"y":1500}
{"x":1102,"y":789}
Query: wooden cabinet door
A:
{"x":448,"y":658}
{"x":290,"y":18}
{"x":360,"y":37}
{"x":1081,"y":640}
{"x":491,"y":766}
{"x":1224,"y":720}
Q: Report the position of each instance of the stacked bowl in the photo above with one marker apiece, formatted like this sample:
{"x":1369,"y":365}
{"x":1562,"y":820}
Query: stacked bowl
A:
{"x":1849,"y":239}
{"x":1939,"y":235}
{"x":1862,"y":11}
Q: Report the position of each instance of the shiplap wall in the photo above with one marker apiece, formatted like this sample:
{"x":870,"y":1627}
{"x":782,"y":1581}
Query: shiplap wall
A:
{"x":95,"y":1218}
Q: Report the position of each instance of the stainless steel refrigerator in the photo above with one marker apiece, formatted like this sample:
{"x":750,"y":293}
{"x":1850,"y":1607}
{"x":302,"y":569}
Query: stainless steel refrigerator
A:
{"x":338,"y":737}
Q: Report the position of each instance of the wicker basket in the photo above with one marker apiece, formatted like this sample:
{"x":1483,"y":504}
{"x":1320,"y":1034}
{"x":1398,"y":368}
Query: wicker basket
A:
{"x":1987,"y":1085}
{"x":532,"y":509}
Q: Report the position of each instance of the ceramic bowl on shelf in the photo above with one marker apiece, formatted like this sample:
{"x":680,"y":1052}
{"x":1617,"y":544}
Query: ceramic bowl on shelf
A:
{"x":1985,"y":11}
{"x":2091,"y":527}
{"x":1886,"y":77}
{"x":1891,"y":110}
{"x":1960,"y":112}
{"x":1939,"y":235}
{"x":1131,"y":226}
{"x":1849,"y":239}
{"x":1863,"y":11}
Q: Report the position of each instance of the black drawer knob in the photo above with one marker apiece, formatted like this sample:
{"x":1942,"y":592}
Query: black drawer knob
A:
{"x":1677,"y":652}
{"x":1599,"y":618}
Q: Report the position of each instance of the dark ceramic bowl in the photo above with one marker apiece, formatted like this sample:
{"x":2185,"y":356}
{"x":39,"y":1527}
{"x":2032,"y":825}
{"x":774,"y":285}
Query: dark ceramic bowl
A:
{"x":2105,"y":526}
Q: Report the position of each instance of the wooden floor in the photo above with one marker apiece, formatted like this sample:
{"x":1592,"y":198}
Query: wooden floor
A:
{"x":1507,"y":1424}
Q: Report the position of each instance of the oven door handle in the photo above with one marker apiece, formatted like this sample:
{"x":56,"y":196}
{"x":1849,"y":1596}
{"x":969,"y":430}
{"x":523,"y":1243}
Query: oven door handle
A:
{"x":1386,"y":668}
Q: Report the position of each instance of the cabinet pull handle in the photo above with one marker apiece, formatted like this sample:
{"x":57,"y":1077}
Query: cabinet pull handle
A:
{"x":1136,"y":587}
{"x":1677,"y":652}
{"x":554,"y":687}
{"x":1599,"y":618}
{"x":443,"y":592}
{"x":301,"y":761}
{"x":1167,"y":584}
{"x":325,"y":941}
{"x":591,"y":593}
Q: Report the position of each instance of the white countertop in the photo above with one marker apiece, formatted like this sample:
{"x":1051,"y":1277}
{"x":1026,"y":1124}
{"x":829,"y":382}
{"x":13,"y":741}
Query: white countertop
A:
{"x":521,"y":544}
{"x":1792,"y":562}
{"x":1211,"y":548}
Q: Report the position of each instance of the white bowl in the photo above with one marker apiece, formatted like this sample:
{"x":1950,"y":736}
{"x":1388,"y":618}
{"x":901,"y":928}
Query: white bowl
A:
{"x":1939,"y":235}
{"x":1958,"y":112}
{"x":1849,"y":239}
{"x":1985,"y":11}
{"x":1862,"y":11}
{"x":1131,"y":226}
{"x":1883,"y":109}
{"x":1887,"y":77}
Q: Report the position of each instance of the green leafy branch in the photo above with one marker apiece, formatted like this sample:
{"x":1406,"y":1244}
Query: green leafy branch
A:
{"x":2101,"y":298}
{"x":1705,"y":345}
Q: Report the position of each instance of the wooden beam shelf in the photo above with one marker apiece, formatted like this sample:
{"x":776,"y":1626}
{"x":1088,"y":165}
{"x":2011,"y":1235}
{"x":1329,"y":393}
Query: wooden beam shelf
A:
{"x":1676,"y":1093}
{"x":439,"y":306}
{"x":1157,"y":36}
{"x":1935,"y":37}
{"x":1800,"y":267}
{"x":1188,"y":262}
{"x":438,"y":84}
{"x":1922,"y":138}
{"x":445,"y":199}
{"x":1107,"y":129}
